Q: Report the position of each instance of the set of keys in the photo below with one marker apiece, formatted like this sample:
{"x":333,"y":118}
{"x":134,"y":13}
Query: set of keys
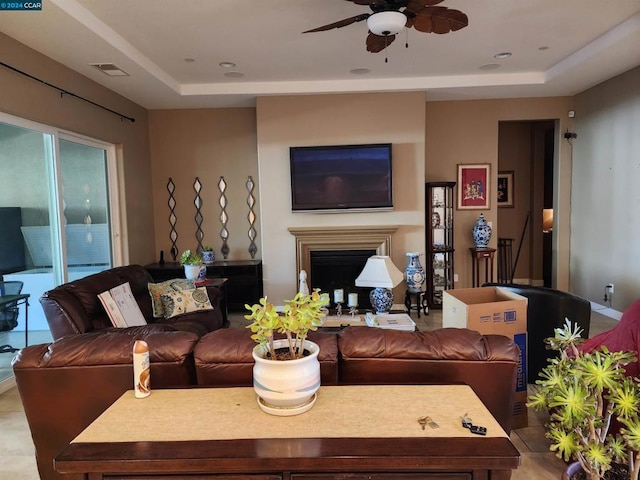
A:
{"x":467,"y":423}
{"x":424,"y":421}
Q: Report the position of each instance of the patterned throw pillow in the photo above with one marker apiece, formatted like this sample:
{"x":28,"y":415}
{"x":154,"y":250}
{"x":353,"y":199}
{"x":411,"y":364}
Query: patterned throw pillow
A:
{"x":186,"y":301}
{"x":157,"y":289}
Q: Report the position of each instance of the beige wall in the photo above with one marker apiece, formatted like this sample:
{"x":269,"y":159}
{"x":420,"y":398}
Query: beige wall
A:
{"x":467,"y":132}
{"x":29,"y":99}
{"x":283,"y":122}
{"x":208,"y":144}
{"x":605,"y":220}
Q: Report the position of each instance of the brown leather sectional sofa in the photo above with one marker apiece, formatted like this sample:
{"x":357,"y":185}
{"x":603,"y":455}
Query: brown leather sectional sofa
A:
{"x":65,"y":385}
{"x":74,"y":308}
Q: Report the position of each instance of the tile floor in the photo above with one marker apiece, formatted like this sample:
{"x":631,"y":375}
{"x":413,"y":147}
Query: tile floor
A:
{"x":17,"y":453}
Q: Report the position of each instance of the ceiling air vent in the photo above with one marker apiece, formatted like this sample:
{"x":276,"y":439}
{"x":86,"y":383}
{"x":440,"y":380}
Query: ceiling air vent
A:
{"x":110,"y":69}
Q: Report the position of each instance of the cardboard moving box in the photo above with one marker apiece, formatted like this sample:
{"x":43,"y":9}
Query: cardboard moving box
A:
{"x":493,"y":310}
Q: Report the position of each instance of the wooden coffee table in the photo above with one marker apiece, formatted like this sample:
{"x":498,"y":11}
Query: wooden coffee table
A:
{"x":367,"y":432}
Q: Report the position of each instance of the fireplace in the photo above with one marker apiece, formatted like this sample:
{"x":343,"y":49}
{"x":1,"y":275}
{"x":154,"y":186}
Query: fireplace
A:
{"x":334,"y":256}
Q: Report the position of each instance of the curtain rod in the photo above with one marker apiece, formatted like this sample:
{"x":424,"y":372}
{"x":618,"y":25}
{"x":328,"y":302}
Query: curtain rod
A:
{"x":67,"y":92}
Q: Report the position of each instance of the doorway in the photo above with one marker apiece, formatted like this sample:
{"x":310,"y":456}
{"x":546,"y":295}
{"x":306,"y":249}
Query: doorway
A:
{"x":526,"y":156}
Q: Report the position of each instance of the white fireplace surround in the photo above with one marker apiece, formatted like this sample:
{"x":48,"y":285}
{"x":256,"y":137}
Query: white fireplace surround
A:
{"x":310,"y":239}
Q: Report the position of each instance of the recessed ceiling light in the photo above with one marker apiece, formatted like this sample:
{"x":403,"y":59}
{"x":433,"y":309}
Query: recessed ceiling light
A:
{"x":189,"y":60}
{"x":227,"y":64}
{"x":489,"y":66}
{"x":234,"y":74}
{"x":502,"y":55}
{"x":544,"y":47}
{"x":360,"y":71}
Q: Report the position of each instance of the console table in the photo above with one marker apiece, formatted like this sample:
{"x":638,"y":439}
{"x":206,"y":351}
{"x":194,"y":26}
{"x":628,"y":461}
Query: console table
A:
{"x":244,"y":279}
{"x":220,"y":433}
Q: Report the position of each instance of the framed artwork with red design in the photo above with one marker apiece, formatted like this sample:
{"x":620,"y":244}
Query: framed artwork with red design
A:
{"x":474,"y":186}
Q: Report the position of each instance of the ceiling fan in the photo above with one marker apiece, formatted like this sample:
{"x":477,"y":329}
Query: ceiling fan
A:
{"x":389,"y":17}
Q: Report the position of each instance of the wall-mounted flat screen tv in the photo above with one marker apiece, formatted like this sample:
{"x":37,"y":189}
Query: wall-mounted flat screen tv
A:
{"x":341,"y":177}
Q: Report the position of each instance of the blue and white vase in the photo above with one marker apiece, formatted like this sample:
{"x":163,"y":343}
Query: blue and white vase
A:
{"x":481,"y":232}
{"x":381,"y":299}
{"x":414,"y":274}
{"x":208,"y":256}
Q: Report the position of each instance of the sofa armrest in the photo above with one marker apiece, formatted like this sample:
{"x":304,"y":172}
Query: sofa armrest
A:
{"x":65,"y":385}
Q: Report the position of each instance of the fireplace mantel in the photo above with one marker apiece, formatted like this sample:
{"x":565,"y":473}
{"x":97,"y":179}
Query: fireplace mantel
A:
{"x":340,"y":238}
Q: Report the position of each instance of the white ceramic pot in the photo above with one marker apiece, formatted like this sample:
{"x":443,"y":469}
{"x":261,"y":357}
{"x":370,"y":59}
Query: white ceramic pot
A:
{"x":192,"y":272}
{"x":286,"y":387}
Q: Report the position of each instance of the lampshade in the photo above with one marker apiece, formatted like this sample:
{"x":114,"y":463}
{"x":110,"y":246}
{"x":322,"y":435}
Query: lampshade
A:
{"x":379,"y":271}
{"x":547,"y":220}
{"x":386,"y":23}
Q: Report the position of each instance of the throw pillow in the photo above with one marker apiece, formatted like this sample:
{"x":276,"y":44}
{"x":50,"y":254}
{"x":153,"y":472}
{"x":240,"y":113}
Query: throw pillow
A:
{"x":157,"y":289}
{"x":186,"y":301}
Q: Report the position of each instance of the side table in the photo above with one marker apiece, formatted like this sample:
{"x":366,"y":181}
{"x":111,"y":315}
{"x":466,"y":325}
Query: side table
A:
{"x":421,"y":302}
{"x":477,"y":254}
{"x":220,"y":283}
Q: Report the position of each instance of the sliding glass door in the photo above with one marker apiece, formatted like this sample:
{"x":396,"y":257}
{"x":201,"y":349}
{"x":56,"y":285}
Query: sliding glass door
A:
{"x":85,"y":215}
{"x":57,"y":221}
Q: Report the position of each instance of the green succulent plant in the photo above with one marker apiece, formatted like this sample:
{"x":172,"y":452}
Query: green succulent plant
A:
{"x":300,"y":315}
{"x":190,"y":258}
{"x":583,"y":392}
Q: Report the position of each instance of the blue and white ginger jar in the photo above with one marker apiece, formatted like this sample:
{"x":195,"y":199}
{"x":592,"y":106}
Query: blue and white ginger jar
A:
{"x":414,"y":274}
{"x":481,"y":233}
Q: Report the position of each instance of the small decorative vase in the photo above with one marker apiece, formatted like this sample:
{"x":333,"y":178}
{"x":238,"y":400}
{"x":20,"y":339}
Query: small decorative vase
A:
{"x":414,"y":274}
{"x":286,"y":387}
{"x":481,"y":232}
{"x":208,"y":257}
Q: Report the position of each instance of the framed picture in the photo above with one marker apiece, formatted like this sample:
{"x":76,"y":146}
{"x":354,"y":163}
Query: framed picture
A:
{"x":505,"y":189}
{"x":474,"y":186}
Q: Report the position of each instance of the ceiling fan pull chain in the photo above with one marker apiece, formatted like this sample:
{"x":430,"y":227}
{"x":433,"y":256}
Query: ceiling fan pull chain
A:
{"x":386,"y":58}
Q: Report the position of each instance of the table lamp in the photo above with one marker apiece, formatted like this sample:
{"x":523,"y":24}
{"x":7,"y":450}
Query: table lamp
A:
{"x":380,"y":273}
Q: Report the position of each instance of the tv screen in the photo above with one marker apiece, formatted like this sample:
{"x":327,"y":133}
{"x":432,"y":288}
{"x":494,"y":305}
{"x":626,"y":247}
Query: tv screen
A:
{"x":341,"y":177}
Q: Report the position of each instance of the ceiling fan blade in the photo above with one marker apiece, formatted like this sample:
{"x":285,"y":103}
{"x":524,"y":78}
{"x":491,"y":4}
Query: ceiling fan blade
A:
{"x":376,"y":43}
{"x":364,"y":2}
{"x":415,"y":5}
{"x":439,"y":20}
{"x":341,"y":23}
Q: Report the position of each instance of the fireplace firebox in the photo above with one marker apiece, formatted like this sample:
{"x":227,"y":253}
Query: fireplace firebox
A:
{"x":333,"y":269}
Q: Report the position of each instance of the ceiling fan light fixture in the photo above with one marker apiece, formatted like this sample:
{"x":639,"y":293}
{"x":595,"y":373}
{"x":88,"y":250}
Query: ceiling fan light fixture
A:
{"x":386,"y":23}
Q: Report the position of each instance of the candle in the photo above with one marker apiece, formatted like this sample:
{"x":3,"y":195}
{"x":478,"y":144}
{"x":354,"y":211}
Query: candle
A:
{"x":353,"y":300}
{"x":338,"y":295}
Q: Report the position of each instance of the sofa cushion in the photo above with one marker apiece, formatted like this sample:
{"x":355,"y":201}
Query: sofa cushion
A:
{"x":156,"y":290}
{"x":185,"y":301}
{"x":223,"y":357}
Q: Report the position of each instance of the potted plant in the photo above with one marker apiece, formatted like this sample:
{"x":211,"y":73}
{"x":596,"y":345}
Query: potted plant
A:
{"x":192,"y":263}
{"x":286,"y":374}
{"x":207,"y":254}
{"x":583,"y":393}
